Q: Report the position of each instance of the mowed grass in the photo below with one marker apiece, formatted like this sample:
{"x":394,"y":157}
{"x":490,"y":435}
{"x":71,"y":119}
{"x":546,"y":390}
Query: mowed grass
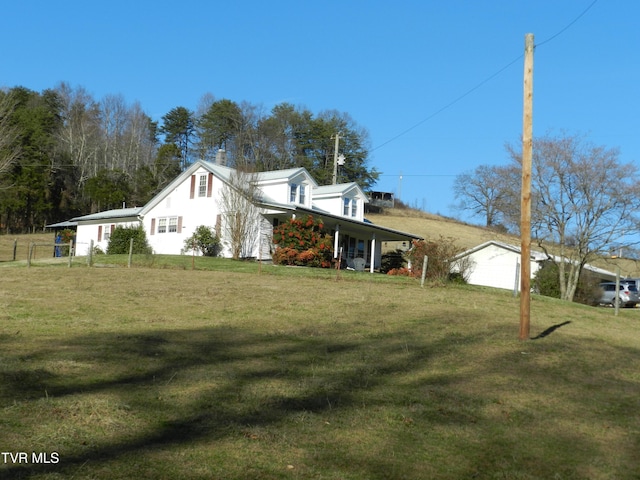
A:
{"x":236,"y":371}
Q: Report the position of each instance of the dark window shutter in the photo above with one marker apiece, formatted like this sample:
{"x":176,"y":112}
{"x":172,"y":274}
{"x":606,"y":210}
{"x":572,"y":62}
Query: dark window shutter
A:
{"x":99,"y":233}
{"x":193,"y":186}
{"x":210,"y":185}
{"x":179,"y":224}
{"x":113,"y":227}
{"x":153,"y":226}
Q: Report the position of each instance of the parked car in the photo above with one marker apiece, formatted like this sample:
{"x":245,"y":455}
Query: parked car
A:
{"x":627,"y":295}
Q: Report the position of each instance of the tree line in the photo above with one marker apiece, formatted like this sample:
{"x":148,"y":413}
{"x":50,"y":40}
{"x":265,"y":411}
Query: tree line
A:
{"x":63,"y":153}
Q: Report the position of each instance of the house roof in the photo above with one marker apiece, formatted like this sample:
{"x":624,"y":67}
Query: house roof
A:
{"x":221,"y":171}
{"x":224,"y":173}
{"x":66,"y":223}
{"x":386,"y":234}
{"x":338,"y":189}
{"x":283,"y":174}
{"x":117,"y":213}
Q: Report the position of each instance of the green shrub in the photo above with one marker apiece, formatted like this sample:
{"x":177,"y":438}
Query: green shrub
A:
{"x":547,"y":282}
{"x":121,"y":237}
{"x":392,"y":261}
{"x":205,"y":240}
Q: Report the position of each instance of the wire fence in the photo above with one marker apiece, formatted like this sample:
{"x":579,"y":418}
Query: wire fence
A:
{"x":57,"y":251}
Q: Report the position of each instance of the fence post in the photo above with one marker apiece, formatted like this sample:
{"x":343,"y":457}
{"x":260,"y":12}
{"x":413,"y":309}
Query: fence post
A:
{"x":70,"y":251}
{"x":90,"y":254}
{"x":15,"y":249}
{"x":130,"y":252}
{"x":425,"y":261}
{"x":31,"y":245}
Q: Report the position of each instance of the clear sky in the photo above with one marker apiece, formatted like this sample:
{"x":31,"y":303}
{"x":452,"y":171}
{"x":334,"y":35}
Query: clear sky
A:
{"x":438,"y":84}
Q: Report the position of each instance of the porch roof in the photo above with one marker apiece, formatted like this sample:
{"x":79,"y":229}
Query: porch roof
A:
{"x":107,"y":214}
{"x":366,"y":228}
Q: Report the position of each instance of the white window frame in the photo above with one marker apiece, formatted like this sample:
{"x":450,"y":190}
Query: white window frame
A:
{"x":173,"y":225}
{"x":293,"y":192}
{"x":345,"y":206}
{"x":302,"y":194}
{"x":162,"y":225}
{"x":354,"y":207}
{"x":202,"y":186}
{"x":107,"y":232}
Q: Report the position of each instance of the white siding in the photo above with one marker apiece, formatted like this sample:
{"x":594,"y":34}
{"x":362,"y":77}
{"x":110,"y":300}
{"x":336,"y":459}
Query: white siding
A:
{"x":334,"y":204}
{"x":193,"y":212}
{"x":95,"y":231}
{"x":494,"y":266}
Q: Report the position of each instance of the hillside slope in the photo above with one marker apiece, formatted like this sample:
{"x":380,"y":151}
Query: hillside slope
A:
{"x":431,"y":227}
{"x":466,"y":236}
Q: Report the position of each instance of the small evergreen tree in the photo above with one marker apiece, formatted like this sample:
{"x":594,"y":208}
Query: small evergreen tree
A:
{"x":547,"y":283}
{"x":121,"y":238}
{"x":205,"y":240}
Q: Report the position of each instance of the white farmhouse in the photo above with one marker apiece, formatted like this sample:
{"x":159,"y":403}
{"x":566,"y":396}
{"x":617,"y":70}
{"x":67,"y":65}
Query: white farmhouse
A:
{"x":206,"y":194}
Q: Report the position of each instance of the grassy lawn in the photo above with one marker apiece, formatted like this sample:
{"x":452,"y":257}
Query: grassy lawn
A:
{"x":232,"y":371}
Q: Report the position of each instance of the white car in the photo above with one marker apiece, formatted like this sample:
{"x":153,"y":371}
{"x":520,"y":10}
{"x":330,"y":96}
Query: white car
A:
{"x":627,"y":295}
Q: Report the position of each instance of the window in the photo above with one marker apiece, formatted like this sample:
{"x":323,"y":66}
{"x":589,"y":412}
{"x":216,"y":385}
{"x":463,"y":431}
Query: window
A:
{"x":202,"y":190}
{"x":354,"y":208}
{"x":174,"y":225}
{"x":293,"y":193}
{"x":302,"y":198}
{"x":107,"y":232}
{"x":345,"y":210}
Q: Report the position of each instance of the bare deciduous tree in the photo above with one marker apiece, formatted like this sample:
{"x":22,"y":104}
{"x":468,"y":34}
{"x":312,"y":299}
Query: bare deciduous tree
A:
{"x":241,"y":217}
{"x":585,"y":199}
{"x":483,"y":192}
{"x":80,"y":134}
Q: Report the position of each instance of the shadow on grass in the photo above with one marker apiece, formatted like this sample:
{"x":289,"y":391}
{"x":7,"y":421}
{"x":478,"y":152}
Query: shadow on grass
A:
{"x":550,"y":330}
{"x":232,"y":372}
{"x":223,"y":387}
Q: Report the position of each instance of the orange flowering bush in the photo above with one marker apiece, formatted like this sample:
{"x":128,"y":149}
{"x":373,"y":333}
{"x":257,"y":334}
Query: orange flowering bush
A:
{"x":302,"y":241}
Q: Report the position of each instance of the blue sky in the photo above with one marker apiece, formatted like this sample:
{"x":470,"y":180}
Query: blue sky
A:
{"x":426,"y":78}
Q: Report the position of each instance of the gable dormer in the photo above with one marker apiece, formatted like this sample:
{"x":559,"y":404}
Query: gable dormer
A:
{"x":293,"y":186}
{"x":345,"y":200}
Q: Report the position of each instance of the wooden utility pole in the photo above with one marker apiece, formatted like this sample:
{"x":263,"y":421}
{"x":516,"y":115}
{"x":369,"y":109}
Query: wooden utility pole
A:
{"x":525,"y":198}
{"x":334,"y":178}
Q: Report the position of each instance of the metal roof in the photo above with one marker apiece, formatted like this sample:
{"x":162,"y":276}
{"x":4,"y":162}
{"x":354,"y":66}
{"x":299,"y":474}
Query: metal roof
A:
{"x":117,"y":213}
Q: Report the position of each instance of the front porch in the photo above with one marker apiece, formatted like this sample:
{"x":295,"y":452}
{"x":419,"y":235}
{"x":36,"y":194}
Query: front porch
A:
{"x":357,"y":244}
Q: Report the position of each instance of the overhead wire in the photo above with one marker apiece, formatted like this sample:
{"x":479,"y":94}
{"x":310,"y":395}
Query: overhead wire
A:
{"x":485,"y":81}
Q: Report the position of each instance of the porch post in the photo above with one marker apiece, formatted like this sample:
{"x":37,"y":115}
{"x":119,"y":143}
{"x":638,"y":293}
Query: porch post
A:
{"x":373,"y":253}
{"x":335,"y":241}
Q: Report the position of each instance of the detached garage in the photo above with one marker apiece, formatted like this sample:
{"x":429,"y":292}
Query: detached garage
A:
{"x":497,"y":264}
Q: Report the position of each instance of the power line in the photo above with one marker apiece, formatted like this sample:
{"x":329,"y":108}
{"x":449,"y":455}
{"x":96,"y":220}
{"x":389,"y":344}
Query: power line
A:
{"x":568,"y":26}
{"x":420,"y":175}
{"x":450,"y":104}
{"x":486,"y":80}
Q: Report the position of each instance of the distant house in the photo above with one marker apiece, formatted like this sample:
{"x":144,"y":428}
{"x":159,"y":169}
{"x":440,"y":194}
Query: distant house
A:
{"x":197,"y":197}
{"x":497,"y":264}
